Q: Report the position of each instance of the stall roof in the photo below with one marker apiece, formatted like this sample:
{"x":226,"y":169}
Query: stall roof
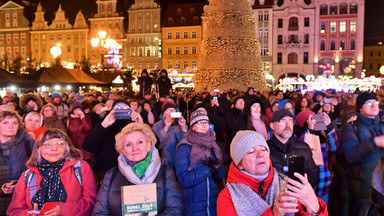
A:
{"x":63,"y":75}
{"x":7,"y":78}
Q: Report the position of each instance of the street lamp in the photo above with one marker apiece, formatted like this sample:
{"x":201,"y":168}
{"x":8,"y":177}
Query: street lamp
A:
{"x":56,"y":51}
{"x":102,"y":44}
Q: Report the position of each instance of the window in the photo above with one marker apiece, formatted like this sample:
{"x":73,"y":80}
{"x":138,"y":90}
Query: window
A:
{"x":292,"y":58}
{"x":69,"y":48}
{"x":293,"y":39}
{"x":177,"y":64}
{"x":139,"y":16}
{"x":196,"y":19}
{"x":371,"y":66}
{"x":266,"y":33}
{"x":16,"y":50}
{"x":378,"y":53}
{"x":36,"y":37}
{"x":156,"y":52}
{"x":266,"y":16}
{"x":371,"y":54}
{"x":15,"y":38}
{"x":183,"y":20}
{"x":51,"y":37}
{"x":322,"y":45}
{"x":132,"y":40}
{"x":82,"y":35}
{"x":148,"y":52}
{"x":177,"y":50}
{"x":324,"y":9}
{"x":306,"y":22}
{"x":260,"y":16}
{"x":193,"y":50}
{"x":280,"y":23}
{"x":169,"y":64}
{"x":193,"y":34}
{"x":343,"y":8}
{"x":305,"y":58}
{"x":140,"y":28}
{"x":22,"y":37}
{"x":293,"y":24}
{"x":169,"y":35}
{"x":7,"y":20}
{"x":133,"y":51}
{"x":279,"y":58}
{"x":170,"y":21}
{"x":342,"y":44}
{"x":333,"y":44}
{"x":179,"y":11}
{"x":333,"y":9}
{"x":306,"y":38}
{"x":147,"y":15}
{"x":177,"y":35}
{"x":185,"y":34}
{"x":343,"y":26}
{"x":193,"y":63}
{"x":169,"y":51}
{"x":140,"y":51}
{"x":353,"y":8}
{"x":333,"y":26}
{"x":68,"y":36}
{"x":265,"y":50}
{"x":8,"y":38}
{"x":352,"y":26}
{"x":322,"y":27}
{"x":279,"y":39}
{"x":185,"y":63}
{"x":59,"y":36}
{"x":1,"y":38}
{"x":192,"y":10}
{"x":353,"y":44}
{"x":260,"y":33}
{"x":185,"y":50}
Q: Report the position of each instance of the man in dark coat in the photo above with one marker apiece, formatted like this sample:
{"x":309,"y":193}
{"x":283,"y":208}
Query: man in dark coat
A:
{"x":145,"y":82}
{"x":283,"y":145}
{"x":363,"y":143}
{"x":164,"y":83}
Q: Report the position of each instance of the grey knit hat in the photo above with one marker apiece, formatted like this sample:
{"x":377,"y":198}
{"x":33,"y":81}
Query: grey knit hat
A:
{"x":197,"y":116}
{"x":243,"y":141}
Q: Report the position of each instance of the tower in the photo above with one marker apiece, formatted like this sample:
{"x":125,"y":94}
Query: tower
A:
{"x":230,"y":52}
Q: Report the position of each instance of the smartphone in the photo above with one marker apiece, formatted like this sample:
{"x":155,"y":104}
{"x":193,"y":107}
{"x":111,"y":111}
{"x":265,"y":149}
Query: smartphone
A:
{"x":13,"y":182}
{"x":296,"y":163}
{"x":123,"y":113}
{"x":216,"y":90}
{"x":327,"y":100}
{"x":320,"y":124}
{"x":215,"y":98}
{"x":175,"y":114}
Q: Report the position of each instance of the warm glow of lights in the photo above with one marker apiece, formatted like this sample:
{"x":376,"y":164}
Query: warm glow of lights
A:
{"x":95,"y":42}
{"x":337,"y":59}
{"x":315,"y":60}
{"x":57,"y":87}
{"x":102,"y":34}
{"x":55,"y":51}
{"x":360,"y":59}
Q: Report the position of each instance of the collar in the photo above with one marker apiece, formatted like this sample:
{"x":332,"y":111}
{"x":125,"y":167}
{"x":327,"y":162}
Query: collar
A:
{"x":362,"y":119}
{"x":285,"y":148}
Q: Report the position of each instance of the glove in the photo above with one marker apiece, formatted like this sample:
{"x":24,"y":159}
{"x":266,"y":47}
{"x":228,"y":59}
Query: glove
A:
{"x":213,"y":164}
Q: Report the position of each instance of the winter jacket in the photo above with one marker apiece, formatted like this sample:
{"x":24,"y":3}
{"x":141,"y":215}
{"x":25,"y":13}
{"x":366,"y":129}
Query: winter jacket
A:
{"x":54,"y":123}
{"x":23,"y":145}
{"x":78,"y":129}
{"x":61,"y":110}
{"x":80,"y":199}
{"x":362,"y":153}
{"x":145,"y":83}
{"x":198,"y":185}
{"x":225,"y":205}
{"x":168,"y":140}
{"x":377,"y":195}
{"x":280,"y":156}
{"x":169,"y":198}
{"x":164,"y":85}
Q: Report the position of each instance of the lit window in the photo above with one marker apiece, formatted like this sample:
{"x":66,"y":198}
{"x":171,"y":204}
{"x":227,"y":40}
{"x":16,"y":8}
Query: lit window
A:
{"x":353,"y":26}
{"x":333,"y":26}
{"x":343,"y":26}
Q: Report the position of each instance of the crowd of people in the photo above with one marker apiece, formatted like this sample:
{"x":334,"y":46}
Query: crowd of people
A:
{"x":209,"y":153}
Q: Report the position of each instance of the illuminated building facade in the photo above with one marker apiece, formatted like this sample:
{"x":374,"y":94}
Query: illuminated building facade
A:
{"x":339,"y":45}
{"x":14,"y":34}
{"x":144,"y":35}
{"x":181,"y":33}
{"x":72,"y":39}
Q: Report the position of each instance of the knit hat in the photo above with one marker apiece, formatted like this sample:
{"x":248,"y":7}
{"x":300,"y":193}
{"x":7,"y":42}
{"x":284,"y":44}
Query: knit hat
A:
{"x":166,"y":105}
{"x":76,"y":105}
{"x":279,"y":114}
{"x":198,"y":115}
{"x":243,"y":141}
{"x":362,"y":98}
{"x":254,"y":99}
{"x":55,"y":94}
{"x":302,"y":117}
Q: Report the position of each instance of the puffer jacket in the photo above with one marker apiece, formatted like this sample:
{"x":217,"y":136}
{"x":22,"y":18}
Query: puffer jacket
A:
{"x":198,"y":185}
{"x":14,"y":159}
{"x":280,"y":156}
{"x":169,"y":198}
{"x":80,"y":199}
{"x":377,"y":195}
{"x":168,"y":140}
{"x":362,"y":153}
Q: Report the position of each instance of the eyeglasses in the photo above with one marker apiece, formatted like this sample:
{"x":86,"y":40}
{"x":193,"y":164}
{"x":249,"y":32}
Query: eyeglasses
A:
{"x":369,"y":103}
{"x":203,"y":123}
{"x":50,"y":144}
{"x":284,"y":121}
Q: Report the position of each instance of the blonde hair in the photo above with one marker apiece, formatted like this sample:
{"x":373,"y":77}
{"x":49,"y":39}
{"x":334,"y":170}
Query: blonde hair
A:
{"x":132,"y":127}
{"x":31,"y":113}
{"x":6,"y":113}
{"x":71,"y":152}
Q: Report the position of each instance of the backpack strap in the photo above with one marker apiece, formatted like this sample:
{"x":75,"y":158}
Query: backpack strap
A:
{"x":30,"y":180}
{"x":77,"y":171}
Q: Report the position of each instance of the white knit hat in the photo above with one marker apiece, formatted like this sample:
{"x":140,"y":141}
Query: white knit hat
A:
{"x":243,"y":141}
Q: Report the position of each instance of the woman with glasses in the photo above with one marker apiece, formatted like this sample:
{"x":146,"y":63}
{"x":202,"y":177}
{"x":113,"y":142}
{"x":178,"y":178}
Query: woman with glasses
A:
{"x":15,"y":148}
{"x":55,"y":173}
{"x":139,"y":163}
{"x":199,"y":164}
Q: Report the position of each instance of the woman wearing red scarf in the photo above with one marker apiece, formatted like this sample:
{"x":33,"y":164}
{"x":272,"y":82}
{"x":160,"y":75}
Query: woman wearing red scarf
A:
{"x":254,"y":187}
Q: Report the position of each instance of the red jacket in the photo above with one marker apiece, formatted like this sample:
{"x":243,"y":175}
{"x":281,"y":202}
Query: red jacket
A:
{"x":224,"y":202}
{"x":80,"y":200}
{"x":78,"y":129}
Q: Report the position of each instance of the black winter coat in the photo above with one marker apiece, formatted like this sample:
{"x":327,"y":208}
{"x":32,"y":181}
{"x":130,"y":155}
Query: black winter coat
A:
{"x":280,"y":156}
{"x":164,"y":86}
{"x":169,"y":197}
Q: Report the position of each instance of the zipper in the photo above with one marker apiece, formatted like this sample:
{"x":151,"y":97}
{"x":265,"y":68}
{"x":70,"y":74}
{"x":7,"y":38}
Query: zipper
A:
{"x":208,"y":197}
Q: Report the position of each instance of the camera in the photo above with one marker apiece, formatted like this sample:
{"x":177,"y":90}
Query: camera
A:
{"x":123,"y":113}
{"x":327,"y":100}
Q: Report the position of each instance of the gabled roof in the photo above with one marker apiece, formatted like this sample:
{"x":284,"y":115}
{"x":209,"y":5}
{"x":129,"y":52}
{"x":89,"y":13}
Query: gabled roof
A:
{"x":7,"y":79}
{"x":187,"y":10}
{"x":63,"y":75}
{"x":10,"y":4}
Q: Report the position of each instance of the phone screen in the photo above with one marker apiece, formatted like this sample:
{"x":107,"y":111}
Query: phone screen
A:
{"x":215,"y":98}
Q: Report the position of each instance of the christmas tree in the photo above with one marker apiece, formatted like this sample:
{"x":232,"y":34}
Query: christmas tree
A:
{"x":230,"y":51}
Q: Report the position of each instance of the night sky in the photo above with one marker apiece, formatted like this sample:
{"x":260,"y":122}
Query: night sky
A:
{"x":374,"y":16}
